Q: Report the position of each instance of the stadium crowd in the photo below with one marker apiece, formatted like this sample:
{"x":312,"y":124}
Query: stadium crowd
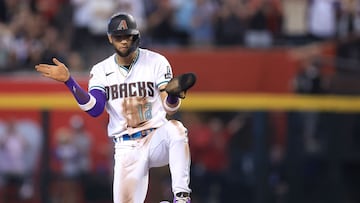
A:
{"x":33,"y":31}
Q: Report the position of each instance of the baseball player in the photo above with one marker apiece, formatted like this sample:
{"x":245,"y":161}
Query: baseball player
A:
{"x":137,"y":89}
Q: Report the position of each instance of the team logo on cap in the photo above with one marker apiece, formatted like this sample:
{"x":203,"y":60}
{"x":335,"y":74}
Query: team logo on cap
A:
{"x":122,"y":25}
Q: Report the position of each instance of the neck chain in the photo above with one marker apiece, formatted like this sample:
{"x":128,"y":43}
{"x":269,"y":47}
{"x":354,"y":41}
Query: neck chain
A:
{"x":128,"y":67}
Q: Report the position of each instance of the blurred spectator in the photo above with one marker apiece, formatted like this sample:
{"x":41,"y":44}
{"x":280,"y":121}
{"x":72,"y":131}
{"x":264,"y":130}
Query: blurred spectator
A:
{"x":33,"y":38}
{"x":161,"y":27}
{"x":80,"y":22}
{"x":82,"y":141}
{"x":97,"y":186}
{"x":349,"y":19}
{"x":2,"y":163}
{"x":100,"y":12}
{"x":295,"y":29}
{"x":23,"y":42}
{"x":183,"y":15}
{"x":73,"y":154}
{"x":277,"y":177}
{"x":34,"y":140}
{"x":30,"y":35}
{"x":63,"y":19}
{"x":8,"y":10}
{"x":310,"y":80}
{"x":66,"y":187}
{"x":264,"y":23}
{"x":55,"y":45}
{"x":47,"y":8}
{"x":348,"y":43}
{"x":209,"y":146}
{"x":76,"y":62}
{"x":6,"y":40}
{"x":90,"y":33}
{"x":2,"y":11}
{"x":241,"y":175}
{"x":202,"y":22}
{"x":322,"y":19}
{"x":230,"y":22}
{"x":35,"y":29}
{"x":13,"y":148}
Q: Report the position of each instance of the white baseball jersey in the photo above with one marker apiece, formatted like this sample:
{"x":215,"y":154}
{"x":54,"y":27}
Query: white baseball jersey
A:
{"x":133,"y":100}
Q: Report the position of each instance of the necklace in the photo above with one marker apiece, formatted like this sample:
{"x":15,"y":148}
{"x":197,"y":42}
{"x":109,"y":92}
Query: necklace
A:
{"x":128,"y":67}
{"x":124,"y":70}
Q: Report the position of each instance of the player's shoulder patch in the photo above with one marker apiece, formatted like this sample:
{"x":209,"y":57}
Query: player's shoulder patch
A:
{"x":168,"y":74}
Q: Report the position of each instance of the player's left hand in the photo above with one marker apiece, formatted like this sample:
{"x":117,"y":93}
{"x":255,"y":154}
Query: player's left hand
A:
{"x":57,"y":72}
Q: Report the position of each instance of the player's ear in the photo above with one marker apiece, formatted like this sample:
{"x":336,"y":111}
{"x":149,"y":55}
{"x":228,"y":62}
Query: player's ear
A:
{"x":109,"y":38}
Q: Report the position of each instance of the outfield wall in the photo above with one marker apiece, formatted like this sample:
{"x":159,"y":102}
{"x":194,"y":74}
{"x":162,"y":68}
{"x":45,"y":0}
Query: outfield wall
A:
{"x":219,"y":70}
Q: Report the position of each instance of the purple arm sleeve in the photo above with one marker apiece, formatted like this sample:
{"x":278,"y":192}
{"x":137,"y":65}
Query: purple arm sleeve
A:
{"x":82,"y":97}
{"x":100,"y":102}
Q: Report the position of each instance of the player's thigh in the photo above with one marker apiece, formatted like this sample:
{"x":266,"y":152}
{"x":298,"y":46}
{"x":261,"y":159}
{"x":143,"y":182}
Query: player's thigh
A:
{"x":130,"y":161}
{"x":158,"y":149}
{"x":130,"y":172}
{"x":161,"y":140}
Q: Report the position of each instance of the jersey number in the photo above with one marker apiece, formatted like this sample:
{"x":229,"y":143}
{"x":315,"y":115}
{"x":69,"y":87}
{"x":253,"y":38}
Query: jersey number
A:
{"x":144,"y":111}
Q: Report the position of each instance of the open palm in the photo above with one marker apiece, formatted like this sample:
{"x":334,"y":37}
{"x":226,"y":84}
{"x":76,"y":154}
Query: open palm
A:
{"x":57,"y":72}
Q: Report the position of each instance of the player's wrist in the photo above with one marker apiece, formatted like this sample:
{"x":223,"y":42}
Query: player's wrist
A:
{"x":67,"y":78}
{"x":172,"y":103}
{"x":172,"y":100}
{"x":69,"y":81}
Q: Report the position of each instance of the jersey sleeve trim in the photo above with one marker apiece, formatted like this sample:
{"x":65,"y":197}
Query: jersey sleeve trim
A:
{"x":162,"y":83}
{"x":98,"y":88}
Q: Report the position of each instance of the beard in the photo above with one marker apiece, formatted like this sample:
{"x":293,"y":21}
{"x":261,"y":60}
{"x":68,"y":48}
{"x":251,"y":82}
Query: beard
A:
{"x":123,"y":54}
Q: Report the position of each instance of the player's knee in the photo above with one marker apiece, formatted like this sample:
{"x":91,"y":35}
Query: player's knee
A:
{"x":177,"y":129}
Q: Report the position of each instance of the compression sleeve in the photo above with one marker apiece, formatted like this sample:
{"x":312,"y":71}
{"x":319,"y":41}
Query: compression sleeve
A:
{"x":99,"y":107}
{"x":93,"y":103}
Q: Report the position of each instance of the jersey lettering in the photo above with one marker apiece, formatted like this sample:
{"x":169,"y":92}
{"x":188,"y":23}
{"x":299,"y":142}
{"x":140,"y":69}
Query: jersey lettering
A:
{"x":107,"y":90}
{"x":134,"y":89}
{"x":151,"y":89}
{"x":114,"y":92}
{"x":123,"y":91}
{"x":142,"y":89}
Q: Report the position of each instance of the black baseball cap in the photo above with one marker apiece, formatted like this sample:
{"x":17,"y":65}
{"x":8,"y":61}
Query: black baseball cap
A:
{"x":122,"y":24}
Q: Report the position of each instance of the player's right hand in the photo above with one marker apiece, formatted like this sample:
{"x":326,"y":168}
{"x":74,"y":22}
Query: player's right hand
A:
{"x":57,"y":72}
